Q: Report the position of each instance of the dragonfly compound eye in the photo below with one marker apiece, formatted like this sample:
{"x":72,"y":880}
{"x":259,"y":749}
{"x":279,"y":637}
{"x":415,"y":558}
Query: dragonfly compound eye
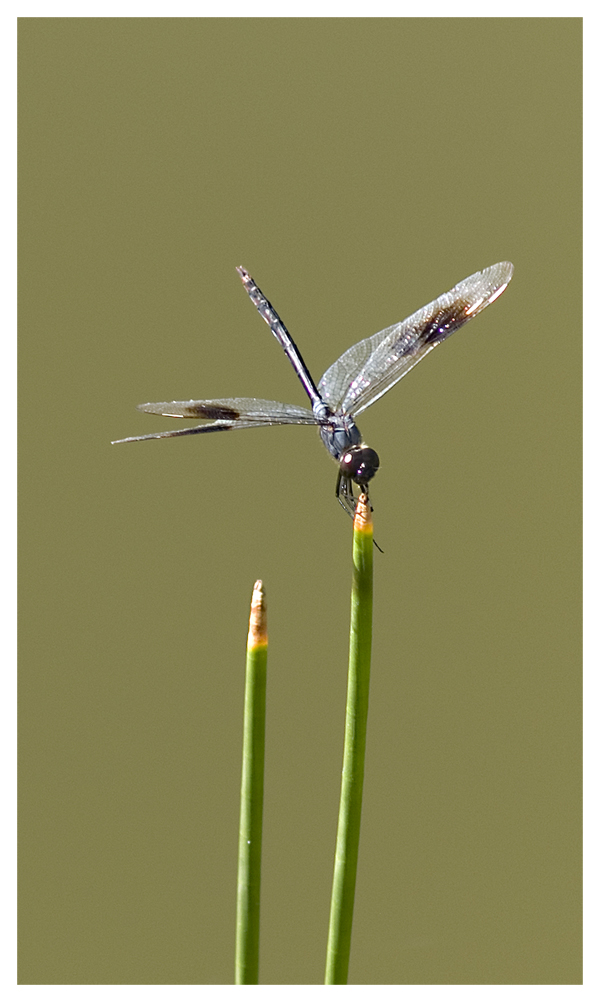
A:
{"x":360,"y":464}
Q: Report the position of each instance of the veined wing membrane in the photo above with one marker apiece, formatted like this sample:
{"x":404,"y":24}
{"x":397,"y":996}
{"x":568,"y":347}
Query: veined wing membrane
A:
{"x":370,"y":368}
{"x":224,"y":415}
{"x":259,"y":410}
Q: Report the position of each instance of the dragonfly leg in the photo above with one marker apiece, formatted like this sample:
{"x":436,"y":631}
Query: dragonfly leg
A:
{"x":344,"y":494}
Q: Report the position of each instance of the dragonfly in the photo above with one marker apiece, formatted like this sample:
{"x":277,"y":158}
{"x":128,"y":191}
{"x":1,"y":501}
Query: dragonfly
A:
{"x":361,"y":375}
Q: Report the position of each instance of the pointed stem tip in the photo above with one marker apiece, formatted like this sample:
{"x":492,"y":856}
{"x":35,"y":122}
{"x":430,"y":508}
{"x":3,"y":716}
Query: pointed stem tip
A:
{"x":362,"y":520}
{"x":258,"y":630}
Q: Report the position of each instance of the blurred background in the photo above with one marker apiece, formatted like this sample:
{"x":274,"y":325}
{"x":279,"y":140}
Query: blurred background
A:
{"x":357,"y":168}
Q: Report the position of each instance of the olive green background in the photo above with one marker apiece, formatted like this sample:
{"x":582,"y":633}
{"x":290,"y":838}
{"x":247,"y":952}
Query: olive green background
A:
{"x":357,"y":168}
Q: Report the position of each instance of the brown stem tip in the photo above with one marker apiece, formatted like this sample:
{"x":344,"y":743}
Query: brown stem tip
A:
{"x":362,"y":520}
{"x":258,"y":631}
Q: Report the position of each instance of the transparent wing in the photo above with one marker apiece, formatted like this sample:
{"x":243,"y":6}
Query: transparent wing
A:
{"x":370,"y":368}
{"x":260,"y":410}
{"x":224,"y":415}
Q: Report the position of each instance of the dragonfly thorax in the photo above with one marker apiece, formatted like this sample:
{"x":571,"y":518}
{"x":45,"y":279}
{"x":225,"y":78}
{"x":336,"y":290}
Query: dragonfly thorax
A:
{"x":360,"y":464}
{"x":340,"y":434}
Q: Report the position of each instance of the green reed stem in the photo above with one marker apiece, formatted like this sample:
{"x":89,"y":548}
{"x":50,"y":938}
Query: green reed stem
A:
{"x":347,"y":839}
{"x":252,"y":796}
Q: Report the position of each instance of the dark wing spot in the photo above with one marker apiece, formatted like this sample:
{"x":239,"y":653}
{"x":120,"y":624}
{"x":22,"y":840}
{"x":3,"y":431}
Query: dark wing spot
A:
{"x":212,"y":428}
{"x":213,"y":412}
{"x":444,"y":322}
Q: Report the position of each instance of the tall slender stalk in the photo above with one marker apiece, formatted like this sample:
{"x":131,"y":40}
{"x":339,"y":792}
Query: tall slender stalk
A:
{"x":347,"y":839}
{"x":252,"y":795}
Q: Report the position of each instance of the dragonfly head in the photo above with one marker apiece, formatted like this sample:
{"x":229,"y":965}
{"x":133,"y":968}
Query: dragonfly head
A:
{"x":360,"y":464}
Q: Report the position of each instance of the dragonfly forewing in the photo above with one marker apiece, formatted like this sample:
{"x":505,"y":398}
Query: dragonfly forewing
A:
{"x":370,"y":368}
{"x":224,"y":415}
{"x":238,"y":408}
